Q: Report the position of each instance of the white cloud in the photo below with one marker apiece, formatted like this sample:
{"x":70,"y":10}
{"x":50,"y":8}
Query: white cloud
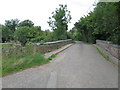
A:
{"x":39,"y":10}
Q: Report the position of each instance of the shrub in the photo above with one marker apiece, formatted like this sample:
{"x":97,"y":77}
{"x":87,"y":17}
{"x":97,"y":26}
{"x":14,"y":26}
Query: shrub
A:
{"x":22,"y":35}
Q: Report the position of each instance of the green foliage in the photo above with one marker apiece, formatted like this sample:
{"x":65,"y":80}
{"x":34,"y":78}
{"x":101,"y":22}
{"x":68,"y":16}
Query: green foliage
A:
{"x":16,"y":58}
{"x":11,"y":24}
{"x":8,"y":29}
{"x":7,"y":34}
{"x":49,"y":50}
{"x":74,"y":34}
{"x":51,"y":57}
{"x":102,"y":54}
{"x":13,"y":64}
{"x":35,"y":32}
{"x":49,"y":36}
{"x":27,"y":23}
{"x":105,"y":56}
{"x":0,"y":33}
{"x":59,"y":22}
{"x":102,"y":23}
{"x":22,"y":34}
{"x":85,"y":30}
{"x":25,"y":31}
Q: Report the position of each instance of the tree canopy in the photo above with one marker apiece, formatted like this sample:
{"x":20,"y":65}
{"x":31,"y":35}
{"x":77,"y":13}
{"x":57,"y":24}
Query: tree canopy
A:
{"x":102,"y":23}
{"x":59,"y":22}
{"x":27,"y":23}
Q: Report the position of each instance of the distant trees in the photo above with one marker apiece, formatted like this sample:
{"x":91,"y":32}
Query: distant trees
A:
{"x":85,"y":30}
{"x":22,"y":34}
{"x":48,"y":36}
{"x":59,"y":22}
{"x":73,"y":34}
{"x":11,"y":24}
{"x":23,"y":31}
{"x":36,"y":34}
{"x":27,"y":23}
{"x":8,"y":29}
{"x":0,"y":33}
{"x":7,"y":34}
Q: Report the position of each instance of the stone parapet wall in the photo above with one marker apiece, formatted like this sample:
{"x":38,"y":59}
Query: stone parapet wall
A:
{"x":9,"y":49}
{"x":50,"y":46}
{"x":113,"y":49}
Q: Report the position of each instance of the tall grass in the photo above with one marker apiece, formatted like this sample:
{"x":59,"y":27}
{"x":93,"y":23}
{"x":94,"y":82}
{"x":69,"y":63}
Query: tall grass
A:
{"x":15,"y":58}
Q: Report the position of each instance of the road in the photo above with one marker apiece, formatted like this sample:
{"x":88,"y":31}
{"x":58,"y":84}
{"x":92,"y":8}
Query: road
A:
{"x":79,"y":66}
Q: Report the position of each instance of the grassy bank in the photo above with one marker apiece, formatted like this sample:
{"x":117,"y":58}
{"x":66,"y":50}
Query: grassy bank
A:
{"x":16,"y":58}
{"x":14,"y":64}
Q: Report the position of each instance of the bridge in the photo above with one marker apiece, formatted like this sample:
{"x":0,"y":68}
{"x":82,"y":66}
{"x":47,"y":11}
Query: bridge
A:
{"x":78,"y":66}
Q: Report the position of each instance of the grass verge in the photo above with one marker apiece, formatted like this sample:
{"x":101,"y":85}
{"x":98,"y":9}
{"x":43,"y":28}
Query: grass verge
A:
{"x":52,"y":56}
{"x":105,"y":56}
{"x":102,"y":54}
{"x":20,"y":58}
{"x":14,"y":64}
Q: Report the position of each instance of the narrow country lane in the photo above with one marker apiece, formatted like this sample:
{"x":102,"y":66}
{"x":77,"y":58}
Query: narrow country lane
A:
{"x":79,"y":66}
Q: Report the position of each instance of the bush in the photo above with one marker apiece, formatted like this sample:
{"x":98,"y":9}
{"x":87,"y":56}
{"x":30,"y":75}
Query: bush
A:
{"x":22,"y":35}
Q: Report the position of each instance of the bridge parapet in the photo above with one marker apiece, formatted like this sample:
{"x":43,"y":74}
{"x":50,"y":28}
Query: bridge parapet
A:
{"x":113,"y":49}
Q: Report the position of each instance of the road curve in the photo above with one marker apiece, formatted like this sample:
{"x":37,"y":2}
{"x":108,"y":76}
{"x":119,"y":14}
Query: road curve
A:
{"x":79,"y":66}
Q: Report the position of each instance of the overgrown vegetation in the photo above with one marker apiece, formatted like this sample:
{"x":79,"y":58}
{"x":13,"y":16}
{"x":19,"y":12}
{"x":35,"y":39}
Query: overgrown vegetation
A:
{"x":19,"y":58}
{"x":13,"y":64}
{"x":102,"y":23}
{"x":16,"y":58}
{"x":52,"y":56}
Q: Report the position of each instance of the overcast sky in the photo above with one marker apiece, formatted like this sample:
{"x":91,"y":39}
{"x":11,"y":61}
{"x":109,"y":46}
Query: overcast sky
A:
{"x":40,"y":10}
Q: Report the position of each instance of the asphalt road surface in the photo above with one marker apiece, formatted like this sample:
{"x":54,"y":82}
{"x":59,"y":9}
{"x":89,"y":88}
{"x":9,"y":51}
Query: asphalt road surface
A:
{"x":79,"y":66}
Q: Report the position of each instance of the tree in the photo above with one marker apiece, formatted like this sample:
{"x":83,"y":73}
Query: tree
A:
{"x":48,"y":36}
{"x":8,"y":29}
{"x":22,"y":34}
{"x":11,"y":24}
{"x":7,"y":34}
{"x":102,"y":23}
{"x":0,"y":33}
{"x":74,"y":34}
{"x":36,"y":34}
{"x":27,"y":23}
{"x":59,"y":22}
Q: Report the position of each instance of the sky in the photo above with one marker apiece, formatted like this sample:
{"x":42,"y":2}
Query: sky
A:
{"x":39,"y":11}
